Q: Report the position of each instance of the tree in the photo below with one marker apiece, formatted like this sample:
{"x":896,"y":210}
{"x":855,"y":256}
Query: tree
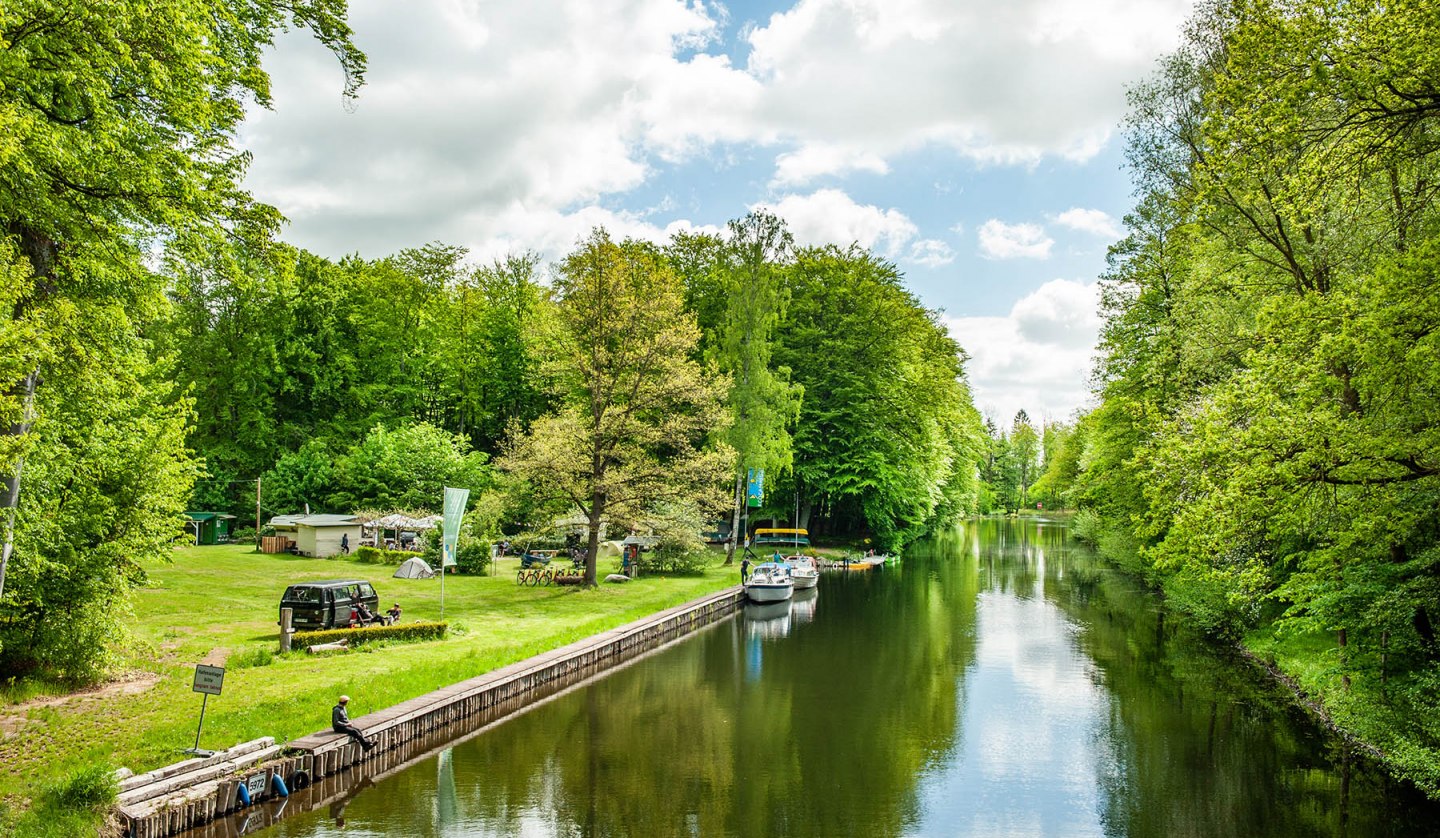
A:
{"x":633,"y":406}
{"x":1026,"y":445}
{"x":887,"y":436}
{"x":119,"y":121}
{"x":762,"y":400}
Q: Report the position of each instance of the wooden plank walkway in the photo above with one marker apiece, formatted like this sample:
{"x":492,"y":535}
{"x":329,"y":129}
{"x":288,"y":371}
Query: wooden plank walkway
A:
{"x":170,"y":800}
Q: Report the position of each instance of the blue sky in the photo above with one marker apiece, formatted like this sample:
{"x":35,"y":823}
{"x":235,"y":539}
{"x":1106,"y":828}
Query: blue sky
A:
{"x":974,"y":144}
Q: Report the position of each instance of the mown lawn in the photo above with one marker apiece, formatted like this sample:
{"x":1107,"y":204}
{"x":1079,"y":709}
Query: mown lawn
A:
{"x":220,"y":603}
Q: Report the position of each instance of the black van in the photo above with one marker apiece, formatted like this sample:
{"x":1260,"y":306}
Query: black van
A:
{"x":329,"y":604}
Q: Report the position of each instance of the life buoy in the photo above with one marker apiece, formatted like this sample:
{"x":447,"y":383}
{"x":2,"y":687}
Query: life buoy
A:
{"x":300,"y":779}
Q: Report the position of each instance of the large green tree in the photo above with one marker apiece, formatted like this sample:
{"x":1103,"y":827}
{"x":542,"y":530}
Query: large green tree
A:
{"x":634,"y":407}
{"x":118,"y":122}
{"x":764,"y":404}
{"x":1267,"y":435}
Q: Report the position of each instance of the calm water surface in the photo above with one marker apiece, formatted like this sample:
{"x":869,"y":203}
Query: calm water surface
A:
{"x":1000,"y":682}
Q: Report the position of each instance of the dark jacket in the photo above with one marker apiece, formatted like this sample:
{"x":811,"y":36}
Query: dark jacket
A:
{"x":338,"y":716}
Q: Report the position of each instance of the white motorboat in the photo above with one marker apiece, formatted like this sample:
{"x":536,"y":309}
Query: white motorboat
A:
{"x":769,"y":582}
{"x":803,"y":571}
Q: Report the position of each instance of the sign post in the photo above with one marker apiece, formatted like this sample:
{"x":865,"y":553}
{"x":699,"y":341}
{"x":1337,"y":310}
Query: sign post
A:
{"x":208,"y":680}
{"x":454,"y":513}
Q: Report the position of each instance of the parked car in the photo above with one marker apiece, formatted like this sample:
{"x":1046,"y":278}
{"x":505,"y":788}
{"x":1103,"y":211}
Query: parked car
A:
{"x":334,"y":603}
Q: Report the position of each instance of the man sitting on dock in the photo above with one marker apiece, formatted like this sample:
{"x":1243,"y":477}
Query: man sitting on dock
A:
{"x":340,"y":723}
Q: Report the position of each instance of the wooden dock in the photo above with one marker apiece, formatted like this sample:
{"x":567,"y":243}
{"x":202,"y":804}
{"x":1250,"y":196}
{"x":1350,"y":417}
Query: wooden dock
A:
{"x":319,"y":769}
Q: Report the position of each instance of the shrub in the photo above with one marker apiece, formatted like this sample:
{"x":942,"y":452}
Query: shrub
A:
{"x":406,"y":632}
{"x":1085,"y":527}
{"x":243,"y":535}
{"x":375,"y":555}
{"x":674,"y":559}
{"x":473,"y":557}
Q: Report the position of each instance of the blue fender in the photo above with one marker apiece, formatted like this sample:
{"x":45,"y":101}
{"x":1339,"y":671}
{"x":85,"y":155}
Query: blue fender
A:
{"x":278,"y":784}
{"x":244,"y":794}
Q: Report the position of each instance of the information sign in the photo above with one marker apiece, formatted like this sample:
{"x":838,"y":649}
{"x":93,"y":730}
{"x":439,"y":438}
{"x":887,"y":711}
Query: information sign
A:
{"x":208,"y":679}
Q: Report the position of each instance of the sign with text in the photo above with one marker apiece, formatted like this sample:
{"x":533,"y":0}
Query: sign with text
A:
{"x":209,"y":679}
{"x":755,"y":486}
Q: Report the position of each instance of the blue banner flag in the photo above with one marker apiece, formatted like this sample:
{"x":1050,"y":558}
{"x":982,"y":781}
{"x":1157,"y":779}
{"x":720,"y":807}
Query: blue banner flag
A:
{"x":755,"y":487}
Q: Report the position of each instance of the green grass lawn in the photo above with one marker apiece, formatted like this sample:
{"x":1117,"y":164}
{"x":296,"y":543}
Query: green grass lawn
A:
{"x":220,"y":604}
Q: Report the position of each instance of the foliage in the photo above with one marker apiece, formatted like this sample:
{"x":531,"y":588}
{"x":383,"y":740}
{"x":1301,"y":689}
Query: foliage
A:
{"x":679,"y":549}
{"x":633,"y":406}
{"x":409,"y":466}
{"x":763,"y":402}
{"x":365,"y":554}
{"x":407,"y":632}
{"x":887,"y":436}
{"x":119,"y":123}
{"x":472,"y":557}
{"x":1268,"y":423}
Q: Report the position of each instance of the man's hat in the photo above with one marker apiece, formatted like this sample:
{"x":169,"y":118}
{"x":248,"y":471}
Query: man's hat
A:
{"x":344,"y":698}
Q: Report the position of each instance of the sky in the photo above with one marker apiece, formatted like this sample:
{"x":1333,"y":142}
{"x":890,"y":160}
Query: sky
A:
{"x":973,"y":143}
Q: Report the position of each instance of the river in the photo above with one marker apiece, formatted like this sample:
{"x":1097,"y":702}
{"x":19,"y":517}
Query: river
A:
{"x":1000,"y":681}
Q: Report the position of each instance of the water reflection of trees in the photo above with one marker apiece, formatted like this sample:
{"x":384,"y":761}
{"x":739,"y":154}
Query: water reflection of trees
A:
{"x":832,"y":739}
{"x":852,"y":710}
{"x":1198,"y":742}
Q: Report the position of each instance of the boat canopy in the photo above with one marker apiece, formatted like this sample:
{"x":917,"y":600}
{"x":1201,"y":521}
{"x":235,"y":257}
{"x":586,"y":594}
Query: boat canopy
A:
{"x":771,"y":535}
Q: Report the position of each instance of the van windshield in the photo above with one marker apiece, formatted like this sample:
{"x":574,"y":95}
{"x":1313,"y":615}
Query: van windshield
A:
{"x":300,"y":593}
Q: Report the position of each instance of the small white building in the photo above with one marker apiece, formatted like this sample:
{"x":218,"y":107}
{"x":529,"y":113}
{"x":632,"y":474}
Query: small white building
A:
{"x":318,"y":536}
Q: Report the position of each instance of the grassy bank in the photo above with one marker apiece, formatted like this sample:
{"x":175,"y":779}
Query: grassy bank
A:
{"x":219,"y":605}
{"x":1394,"y":722}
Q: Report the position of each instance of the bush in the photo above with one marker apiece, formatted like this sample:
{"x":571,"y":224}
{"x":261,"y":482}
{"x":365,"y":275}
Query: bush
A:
{"x":243,"y":535}
{"x":375,"y":555}
{"x":473,"y":557}
{"x":1085,"y":527}
{"x":673,"y":559}
{"x":406,"y":632}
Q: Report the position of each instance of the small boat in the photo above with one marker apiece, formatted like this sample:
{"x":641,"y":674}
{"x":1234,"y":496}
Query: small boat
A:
{"x":769,"y":582}
{"x":803,"y":571}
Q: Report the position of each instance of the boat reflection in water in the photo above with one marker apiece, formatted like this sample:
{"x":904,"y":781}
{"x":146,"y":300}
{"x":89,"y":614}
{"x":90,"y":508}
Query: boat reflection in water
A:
{"x":802,"y":605}
{"x":769,"y":620}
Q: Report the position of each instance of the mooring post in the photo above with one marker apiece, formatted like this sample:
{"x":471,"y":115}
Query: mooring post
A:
{"x":287,"y":619}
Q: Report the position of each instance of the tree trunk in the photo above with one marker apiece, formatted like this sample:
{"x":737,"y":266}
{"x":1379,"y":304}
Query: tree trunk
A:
{"x":592,"y":548}
{"x":735,"y":519}
{"x":1344,"y":676}
{"x":42,"y":253}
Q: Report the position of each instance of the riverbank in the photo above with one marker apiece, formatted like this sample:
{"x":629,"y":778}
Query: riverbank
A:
{"x":218,"y":605}
{"x":1394,"y":723}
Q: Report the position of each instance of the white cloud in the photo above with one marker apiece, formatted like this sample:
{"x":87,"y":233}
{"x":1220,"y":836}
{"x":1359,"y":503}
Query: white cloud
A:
{"x":931,"y":253}
{"x":996,"y":82}
{"x":1093,"y":221}
{"x":999,"y":240}
{"x":1038,"y":357}
{"x":472,"y":109}
{"x":829,"y":216}
{"x":804,"y":165}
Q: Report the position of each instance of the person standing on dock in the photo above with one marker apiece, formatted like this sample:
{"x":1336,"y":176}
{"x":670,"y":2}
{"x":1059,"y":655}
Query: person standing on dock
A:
{"x":340,"y":723}
{"x":744,"y":570}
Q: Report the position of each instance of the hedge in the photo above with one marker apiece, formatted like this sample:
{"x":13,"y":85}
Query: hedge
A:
{"x":375,"y":555}
{"x":401,"y":631}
